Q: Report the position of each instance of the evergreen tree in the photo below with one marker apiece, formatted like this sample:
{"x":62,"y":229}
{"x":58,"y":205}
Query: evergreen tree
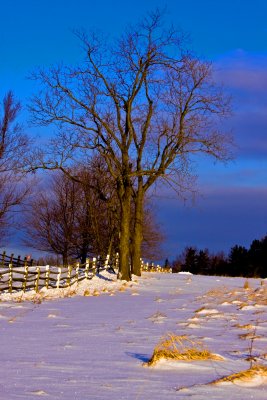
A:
{"x":238,"y":261}
{"x":190,"y":263}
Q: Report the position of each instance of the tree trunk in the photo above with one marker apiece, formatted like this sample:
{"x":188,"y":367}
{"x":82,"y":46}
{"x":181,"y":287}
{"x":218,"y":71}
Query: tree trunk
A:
{"x":124,"y":251}
{"x":65,"y":259}
{"x":137,"y":237}
{"x":84,"y":250}
{"x":110,"y":245}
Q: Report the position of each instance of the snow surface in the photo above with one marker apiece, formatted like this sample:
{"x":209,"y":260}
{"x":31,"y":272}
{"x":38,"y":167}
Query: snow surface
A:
{"x":91,"y":341}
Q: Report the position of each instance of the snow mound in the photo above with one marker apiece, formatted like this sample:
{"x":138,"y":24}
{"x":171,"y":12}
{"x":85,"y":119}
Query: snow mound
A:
{"x":184,"y":273}
{"x":208,"y":311}
{"x":164,"y":364}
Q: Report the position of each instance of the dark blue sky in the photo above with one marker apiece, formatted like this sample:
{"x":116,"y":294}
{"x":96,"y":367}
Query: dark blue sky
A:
{"x":231,"y":205}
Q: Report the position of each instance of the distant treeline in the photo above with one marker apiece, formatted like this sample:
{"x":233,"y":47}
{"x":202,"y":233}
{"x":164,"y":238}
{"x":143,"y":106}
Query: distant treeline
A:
{"x":241,"y":261}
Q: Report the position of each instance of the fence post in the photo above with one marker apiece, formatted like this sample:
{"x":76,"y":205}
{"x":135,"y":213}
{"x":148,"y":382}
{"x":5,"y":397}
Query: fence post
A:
{"x":94,"y":265}
{"x":106,"y":262}
{"x":77,"y":272}
{"x":69,"y":275}
{"x":98,"y":264}
{"x":47,"y":273}
{"x":37,"y":280}
{"x":117,"y":260}
{"x":10,"y":279}
{"x":26,"y":271}
{"x":86,"y":268}
{"x":58,"y":277}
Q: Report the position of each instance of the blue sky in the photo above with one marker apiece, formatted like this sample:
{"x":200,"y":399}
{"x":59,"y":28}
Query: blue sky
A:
{"x":231,"y":206}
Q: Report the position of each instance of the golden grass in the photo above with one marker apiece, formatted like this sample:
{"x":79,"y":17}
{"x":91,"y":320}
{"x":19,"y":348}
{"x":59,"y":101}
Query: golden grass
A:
{"x":244,"y":304}
{"x":246,"y":375}
{"x":158,"y":315}
{"x":246,"y":284}
{"x":217,"y":292}
{"x":200,"y":309}
{"x":247,"y":326}
{"x":249,"y":335}
{"x":258,"y":294}
{"x":180,"y":348}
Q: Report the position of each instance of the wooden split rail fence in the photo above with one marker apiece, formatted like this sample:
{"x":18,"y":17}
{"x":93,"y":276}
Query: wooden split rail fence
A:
{"x":18,"y":274}
{"x":151,"y":267}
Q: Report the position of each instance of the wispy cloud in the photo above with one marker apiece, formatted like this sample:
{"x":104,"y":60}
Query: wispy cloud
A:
{"x":244,"y":76}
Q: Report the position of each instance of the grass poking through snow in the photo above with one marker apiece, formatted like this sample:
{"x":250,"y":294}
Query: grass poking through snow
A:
{"x":246,"y":376}
{"x":180,"y":348}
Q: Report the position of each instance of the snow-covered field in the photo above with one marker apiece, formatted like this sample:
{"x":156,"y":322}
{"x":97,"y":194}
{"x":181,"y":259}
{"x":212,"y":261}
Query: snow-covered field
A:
{"x":94,"y":347}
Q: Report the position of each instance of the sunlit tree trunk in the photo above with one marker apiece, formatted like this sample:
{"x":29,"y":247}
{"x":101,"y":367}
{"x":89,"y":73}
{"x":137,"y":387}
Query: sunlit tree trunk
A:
{"x":137,"y":237}
{"x":124,"y":241}
{"x":65,"y":258}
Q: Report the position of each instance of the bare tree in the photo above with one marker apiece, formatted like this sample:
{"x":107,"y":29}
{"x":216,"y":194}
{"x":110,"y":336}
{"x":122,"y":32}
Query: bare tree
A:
{"x":78,"y":216}
{"x":97,"y":210}
{"x":153,"y":235}
{"x":51,"y":219}
{"x":145,"y":104}
{"x":14,"y":147}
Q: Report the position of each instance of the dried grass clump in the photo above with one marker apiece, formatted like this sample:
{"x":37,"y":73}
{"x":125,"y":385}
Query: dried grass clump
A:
{"x":157,"y":315}
{"x":37,"y":299}
{"x":200,"y":309}
{"x":217,"y":292}
{"x":246,"y":284}
{"x":180,"y":348}
{"x":259,"y":294}
{"x":249,"y":335}
{"x":245,"y":376}
{"x":246,"y":326}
